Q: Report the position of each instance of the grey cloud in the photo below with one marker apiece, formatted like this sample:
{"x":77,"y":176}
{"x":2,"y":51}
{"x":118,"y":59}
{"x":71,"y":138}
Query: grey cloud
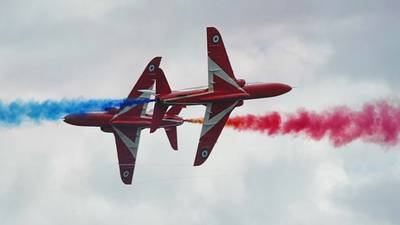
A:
{"x":377,"y":198}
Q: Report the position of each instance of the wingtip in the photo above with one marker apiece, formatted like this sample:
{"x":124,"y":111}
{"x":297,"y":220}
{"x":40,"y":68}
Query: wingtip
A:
{"x":156,"y":61}
{"x":158,"y":58}
{"x":197,"y":163}
{"x":126,"y":173}
{"x":127,"y":183}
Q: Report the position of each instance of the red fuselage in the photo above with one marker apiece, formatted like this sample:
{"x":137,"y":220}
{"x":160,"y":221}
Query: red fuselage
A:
{"x":105,"y":120}
{"x":202,"y":96}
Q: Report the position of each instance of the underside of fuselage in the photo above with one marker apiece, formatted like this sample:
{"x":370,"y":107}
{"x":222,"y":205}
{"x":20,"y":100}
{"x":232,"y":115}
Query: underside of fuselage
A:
{"x":105,"y":120}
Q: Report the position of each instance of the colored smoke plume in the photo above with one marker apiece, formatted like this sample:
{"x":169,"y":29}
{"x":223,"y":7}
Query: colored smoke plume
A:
{"x":376,"y":123}
{"x":15,"y":112}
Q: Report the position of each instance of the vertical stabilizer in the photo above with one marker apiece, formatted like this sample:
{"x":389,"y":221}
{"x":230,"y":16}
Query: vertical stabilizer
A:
{"x":162,"y":88}
{"x":143,"y":89}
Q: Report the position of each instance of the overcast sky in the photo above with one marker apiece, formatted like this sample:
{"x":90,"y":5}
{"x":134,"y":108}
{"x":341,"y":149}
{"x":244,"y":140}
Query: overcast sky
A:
{"x":334,"y":52}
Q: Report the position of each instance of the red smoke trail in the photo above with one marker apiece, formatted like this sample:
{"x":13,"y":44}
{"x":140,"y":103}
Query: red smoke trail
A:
{"x":377,"y":123}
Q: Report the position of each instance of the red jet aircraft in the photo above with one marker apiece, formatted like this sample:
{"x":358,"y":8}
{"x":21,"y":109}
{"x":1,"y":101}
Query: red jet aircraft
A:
{"x":223,"y":94}
{"x":127,"y":122}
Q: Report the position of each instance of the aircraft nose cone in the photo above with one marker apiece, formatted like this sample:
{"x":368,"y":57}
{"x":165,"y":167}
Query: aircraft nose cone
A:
{"x":285,"y":88}
{"x":280,"y":89}
{"x":70,"y":119}
{"x":67,"y":118}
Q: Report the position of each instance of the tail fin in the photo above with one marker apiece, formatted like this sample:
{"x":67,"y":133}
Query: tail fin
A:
{"x":172,"y":136}
{"x":162,"y":88}
{"x":220,"y":73}
{"x":158,"y":115}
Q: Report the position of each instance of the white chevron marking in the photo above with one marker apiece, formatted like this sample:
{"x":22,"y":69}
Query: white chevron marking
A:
{"x":210,"y":123}
{"x":214,"y":69}
{"x":132,"y":145}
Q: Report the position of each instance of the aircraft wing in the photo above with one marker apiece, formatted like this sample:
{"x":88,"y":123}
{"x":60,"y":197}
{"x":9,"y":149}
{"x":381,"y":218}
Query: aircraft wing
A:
{"x":214,"y":121}
{"x":127,"y":140}
{"x":143,"y":89}
{"x":220,"y":74}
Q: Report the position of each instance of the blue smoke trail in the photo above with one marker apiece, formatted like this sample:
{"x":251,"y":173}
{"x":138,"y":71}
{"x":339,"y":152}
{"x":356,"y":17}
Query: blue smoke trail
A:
{"x":18,"y":111}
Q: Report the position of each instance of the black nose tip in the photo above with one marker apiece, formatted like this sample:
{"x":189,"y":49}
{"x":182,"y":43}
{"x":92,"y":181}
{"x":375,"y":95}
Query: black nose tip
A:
{"x":287,"y":88}
{"x":69,"y":119}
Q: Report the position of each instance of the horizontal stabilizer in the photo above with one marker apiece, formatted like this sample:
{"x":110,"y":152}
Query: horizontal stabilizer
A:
{"x":172,"y":136}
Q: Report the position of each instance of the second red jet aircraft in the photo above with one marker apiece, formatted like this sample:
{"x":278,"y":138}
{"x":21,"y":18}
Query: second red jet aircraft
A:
{"x":127,"y":122}
{"x":223,"y":94}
